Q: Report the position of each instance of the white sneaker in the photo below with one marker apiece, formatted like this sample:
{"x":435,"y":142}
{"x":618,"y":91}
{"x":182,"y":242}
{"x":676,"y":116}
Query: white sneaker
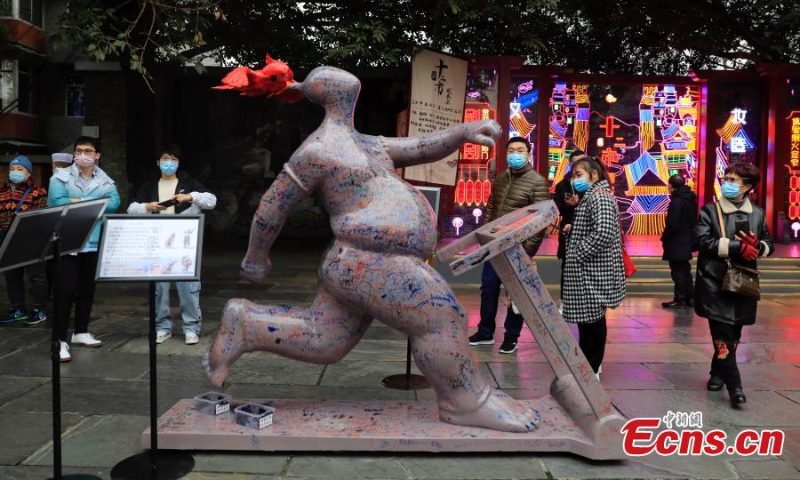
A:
{"x":85,"y":340}
{"x":63,"y":354}
{"x":163,"y":335}
{"x":191,"y":338}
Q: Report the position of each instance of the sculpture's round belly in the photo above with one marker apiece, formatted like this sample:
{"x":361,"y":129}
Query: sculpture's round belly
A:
{"x":386,"y":215}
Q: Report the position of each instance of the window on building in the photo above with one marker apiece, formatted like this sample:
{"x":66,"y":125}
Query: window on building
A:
{"x":8,"y":91}
{"x":76,"y":106}
{"x":32,"y":11}
{"x":6,"y":8}
{"x":28,"y":89}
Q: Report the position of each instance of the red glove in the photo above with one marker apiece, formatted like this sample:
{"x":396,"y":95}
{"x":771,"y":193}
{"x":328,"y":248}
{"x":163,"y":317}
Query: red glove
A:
{"x":748,"y":252}
{"x":749,"y":239}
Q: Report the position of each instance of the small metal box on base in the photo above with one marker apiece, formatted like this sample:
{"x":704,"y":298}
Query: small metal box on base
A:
{"x":254,"y":415}
{"x":212,"y":403}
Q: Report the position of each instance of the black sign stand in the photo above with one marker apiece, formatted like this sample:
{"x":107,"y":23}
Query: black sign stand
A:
{"x":155,"y":465}
{"x":407,"y":381}
{"x":35,"y":237}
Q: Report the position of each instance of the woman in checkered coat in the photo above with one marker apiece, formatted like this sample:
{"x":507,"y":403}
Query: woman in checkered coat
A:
{"x":594,"y":275}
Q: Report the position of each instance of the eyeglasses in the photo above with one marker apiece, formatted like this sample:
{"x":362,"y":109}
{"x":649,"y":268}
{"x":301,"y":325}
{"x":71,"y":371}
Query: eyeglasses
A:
{"x":732,"y":180}
{"x":88,"y":151}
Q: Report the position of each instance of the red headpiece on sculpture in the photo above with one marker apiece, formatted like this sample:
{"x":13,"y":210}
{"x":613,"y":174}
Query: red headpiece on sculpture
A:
{"x":272,"y":80}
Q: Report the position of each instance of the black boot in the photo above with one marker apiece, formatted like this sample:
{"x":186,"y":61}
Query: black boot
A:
{"x":715,"y":383}
{"x":737,"y":396}
{"x":674,"y":304}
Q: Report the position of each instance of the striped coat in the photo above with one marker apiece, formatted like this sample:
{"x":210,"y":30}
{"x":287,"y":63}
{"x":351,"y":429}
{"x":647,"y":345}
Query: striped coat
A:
{"x":594,"y":275}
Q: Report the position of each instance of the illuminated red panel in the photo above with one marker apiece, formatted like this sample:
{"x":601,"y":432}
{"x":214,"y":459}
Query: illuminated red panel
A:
{"x":470,"y":191}
{"x":487,"y":191}
{"x":470,"y":151}
{"x":471,"y":114}
{"x":461,"y":191}
{"x":793,"y":164}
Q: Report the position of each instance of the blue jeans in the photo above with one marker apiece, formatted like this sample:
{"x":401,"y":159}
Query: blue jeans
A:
{"x":490,"y":296}
{"x":189,"y":295}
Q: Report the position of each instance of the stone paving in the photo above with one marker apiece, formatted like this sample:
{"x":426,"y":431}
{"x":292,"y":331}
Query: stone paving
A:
{"x":656,"y":361}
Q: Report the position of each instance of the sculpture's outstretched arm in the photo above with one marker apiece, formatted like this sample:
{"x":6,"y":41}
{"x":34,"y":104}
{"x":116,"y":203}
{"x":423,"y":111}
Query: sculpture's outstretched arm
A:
{"x":275,"y":207}
{"x":431,"y":147}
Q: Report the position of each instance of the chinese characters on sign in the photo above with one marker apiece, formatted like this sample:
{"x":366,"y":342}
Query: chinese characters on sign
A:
{"x":793,"y":210}
{"x":135,"y":248}
{"x":438,"y":89}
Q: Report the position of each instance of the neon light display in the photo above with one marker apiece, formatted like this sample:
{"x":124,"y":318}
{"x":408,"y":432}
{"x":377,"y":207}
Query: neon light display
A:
{"x":734,"y":146}
{"x":476,"y":163}
{"x":793,"y":166}
{"x":473,"y":187}
{"x":641,"y":151}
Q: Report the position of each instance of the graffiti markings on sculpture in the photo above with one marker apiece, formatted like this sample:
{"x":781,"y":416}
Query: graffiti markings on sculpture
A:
{"x":376,"y":267}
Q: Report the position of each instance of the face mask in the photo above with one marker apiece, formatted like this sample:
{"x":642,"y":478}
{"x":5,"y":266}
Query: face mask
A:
{"x":730,"y":190}
{"x":16,"y":176}
{"x":84,"y":160}
{"x":517,"y":160}
{"x":168,"y":167}
{"x":580,"y":185}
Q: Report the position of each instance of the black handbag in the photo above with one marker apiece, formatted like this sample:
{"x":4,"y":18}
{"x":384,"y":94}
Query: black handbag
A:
{"x":738,"y":280}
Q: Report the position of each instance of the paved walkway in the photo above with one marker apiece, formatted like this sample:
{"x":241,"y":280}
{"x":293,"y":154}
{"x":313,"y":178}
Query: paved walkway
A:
{"x":656,"y":361}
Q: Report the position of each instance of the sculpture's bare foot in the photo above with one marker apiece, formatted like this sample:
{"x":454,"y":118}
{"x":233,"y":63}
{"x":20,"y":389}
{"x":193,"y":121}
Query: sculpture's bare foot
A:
{"x":228,"y":344}
{"x":498,"y":412}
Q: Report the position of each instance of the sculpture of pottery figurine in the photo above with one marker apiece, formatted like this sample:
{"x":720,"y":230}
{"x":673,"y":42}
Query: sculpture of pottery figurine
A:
{"x":376,"y":266}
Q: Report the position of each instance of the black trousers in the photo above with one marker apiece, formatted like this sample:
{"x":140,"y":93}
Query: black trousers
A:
{"x":592,"y":340}
{"x":76,"y":285}
{"x":726,"y":340}
{"x":15,"y":285}
{"x":682,"y":276}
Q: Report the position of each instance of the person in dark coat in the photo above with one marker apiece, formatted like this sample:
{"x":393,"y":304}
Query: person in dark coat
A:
{"x":519,"y":186}
{"x":727,"y":313}
{"x":594,"y":273}
{"x":678,"y":240}
{"x":187,"y":197}
{"x":566,"y":199}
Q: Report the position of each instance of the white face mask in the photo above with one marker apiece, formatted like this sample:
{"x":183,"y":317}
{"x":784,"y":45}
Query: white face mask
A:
{"x":84,"y":160}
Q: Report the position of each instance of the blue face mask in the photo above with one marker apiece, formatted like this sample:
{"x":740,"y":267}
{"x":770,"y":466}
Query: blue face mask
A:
{"x":16,"y":176}
{"x":580,"y":185}
{"x":168,"y":167}
{"x":517,"y":160}
{"x":730,"y":190}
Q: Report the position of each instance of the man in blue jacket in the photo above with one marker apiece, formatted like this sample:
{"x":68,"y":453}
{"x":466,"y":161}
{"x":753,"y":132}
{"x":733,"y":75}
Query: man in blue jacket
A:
{"x":84,"y":180}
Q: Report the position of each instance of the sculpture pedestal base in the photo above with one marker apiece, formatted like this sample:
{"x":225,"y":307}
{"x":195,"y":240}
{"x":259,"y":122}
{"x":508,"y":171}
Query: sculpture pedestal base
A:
{"x":371,"y":426}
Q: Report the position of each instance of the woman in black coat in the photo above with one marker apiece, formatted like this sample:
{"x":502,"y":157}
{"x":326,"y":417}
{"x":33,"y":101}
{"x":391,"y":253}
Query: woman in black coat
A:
{"x":727,"y":313}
